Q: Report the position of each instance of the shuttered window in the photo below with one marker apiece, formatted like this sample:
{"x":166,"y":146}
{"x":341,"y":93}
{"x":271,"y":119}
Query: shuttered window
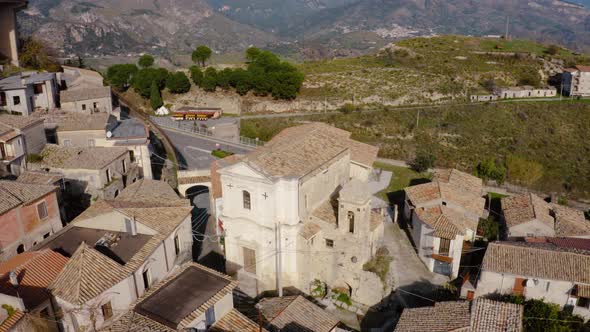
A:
{"x":249,"y":260}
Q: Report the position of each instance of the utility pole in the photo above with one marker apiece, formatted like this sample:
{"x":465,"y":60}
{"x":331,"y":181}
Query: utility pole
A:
{"x":507,"y":27}
{"x":417,"y":119}
{"x":279,"y":260}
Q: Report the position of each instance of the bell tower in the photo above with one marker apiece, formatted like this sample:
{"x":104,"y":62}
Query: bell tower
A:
{"x":354,"y":209}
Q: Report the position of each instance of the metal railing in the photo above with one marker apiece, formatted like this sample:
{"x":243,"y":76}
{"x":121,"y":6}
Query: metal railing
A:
{"x":195,"y":127}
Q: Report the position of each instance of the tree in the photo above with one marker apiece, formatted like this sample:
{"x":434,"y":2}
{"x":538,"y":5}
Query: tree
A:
{"x":530,"y":77}
{"x":489,"y":227}
{"x":119,"y":76}
{"x":552,"y":50}
{"x":201,"y":54}
{"x":142,"y":80}
{"x":178,"y":83}
{"x":36,"y":55}
{"x":490,"y":170}
{"x":423,"y":161}
{"x":196,"y":75}
{"x":146,"y":61}
{"x":252,"y":53}
{"x":209,"y":80}
{"x":489,"y":85}
{"x":523,"y":171}
{"x":155,"y":96}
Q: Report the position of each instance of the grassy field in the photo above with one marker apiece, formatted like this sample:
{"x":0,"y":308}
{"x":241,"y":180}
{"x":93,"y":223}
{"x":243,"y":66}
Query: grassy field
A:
{"x":555,"y":135}
{"x":417,"y":69}
{"x":402,"y":177}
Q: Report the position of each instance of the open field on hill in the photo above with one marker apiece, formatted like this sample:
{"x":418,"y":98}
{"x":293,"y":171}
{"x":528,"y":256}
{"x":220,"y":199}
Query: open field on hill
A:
{"x":555,"y":135}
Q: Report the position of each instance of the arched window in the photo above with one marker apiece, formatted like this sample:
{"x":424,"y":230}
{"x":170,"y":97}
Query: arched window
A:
{"x":351,"y":221}
{"x":20,"y":249}
{"x":246,"y":199}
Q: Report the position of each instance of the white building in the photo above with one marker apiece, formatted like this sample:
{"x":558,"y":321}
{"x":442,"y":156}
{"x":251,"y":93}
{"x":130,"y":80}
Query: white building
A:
{"x":306,"y":187}
{"x":526,"y":91}
{"x":528,"y":215}
{"x":193,"y":298}
{"x":23,"y":93}
{"x":443,"y":215}
{"x":119,"y":250}
{"x":546,"y":271}
{"x":576,"y":81}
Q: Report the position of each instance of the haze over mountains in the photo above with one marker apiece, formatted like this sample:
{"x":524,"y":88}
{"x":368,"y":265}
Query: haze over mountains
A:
{"x":318,"y":27}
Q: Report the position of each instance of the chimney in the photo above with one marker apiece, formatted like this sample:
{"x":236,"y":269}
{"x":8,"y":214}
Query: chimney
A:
{"x":131,"y":226}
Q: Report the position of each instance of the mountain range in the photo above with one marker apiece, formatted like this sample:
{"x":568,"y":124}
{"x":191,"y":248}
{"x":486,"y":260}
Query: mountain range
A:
{"x":315,"y":28}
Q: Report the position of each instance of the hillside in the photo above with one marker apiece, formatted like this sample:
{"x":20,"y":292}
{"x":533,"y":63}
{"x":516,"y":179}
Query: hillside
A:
{"x":302,"y":29}
{"x":552,"y":134}
{"x":441,"y":68}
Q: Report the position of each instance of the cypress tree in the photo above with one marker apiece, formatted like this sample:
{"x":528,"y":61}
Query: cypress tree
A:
{"x":155,"y":97}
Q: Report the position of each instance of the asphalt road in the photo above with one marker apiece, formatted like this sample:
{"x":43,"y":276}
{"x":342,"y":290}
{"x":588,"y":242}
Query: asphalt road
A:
{"x":194,"y":152}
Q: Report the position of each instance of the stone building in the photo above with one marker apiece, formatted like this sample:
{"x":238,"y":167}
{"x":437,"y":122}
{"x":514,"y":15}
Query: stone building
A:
{"x":93,"y":171}
{"x":528,"y":215}
{"x":29,"y":213}
{"x":576,"y":81}
{"x":23,"y":93}
{"x":550,"y":271}
{"x":442,"y":216}
{"x":306,"y":188}
{"x":8,"y":30}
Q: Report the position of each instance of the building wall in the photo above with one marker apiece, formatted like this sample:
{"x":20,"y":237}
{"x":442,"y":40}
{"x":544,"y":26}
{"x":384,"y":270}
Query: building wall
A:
{"x":35,"y":139}
{"x":554,"y":291}
{"x":531,"y":228}
{"x":48,"y":98}
{"x":221,"y":308}
{"x":81,"y":138}
{"x":25,"y":105}
{"x":360,"y":172}
{"x":102,"y":105}
{"x":8,"y":33}
{"x":576,"y":83}
{"x":23,"y":226}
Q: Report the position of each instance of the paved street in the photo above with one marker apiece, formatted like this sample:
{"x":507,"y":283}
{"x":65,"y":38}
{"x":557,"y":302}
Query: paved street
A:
{"x":194,"y":152}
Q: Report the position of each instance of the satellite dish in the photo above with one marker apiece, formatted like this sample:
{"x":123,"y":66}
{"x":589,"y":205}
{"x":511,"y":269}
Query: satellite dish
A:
{"x":13,"y":279}
{"x":109,"y":134}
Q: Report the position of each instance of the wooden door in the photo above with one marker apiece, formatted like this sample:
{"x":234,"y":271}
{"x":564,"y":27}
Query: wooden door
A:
{"x":249,"y":260}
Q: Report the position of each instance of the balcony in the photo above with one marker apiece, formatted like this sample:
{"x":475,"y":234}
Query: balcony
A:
{"x":442,"y":258}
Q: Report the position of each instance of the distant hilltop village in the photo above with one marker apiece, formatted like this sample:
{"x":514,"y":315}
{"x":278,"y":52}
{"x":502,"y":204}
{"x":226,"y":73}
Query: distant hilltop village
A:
{"x":145,"y":210}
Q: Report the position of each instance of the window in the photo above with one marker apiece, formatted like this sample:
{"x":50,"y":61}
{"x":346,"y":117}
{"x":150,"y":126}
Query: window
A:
{"x":46,"y":235}
{"x":2,"y":98}
{"x":176,"y":245}
{"x":95,"y":105}
{"x":38,"y":88}
{"x":249,"y":260}
{"x":146,"y":279}
{"x":107,"y":310}
{"x":444,"y":246}
{"x":20,"y":249}
{"x":246,"y":199}
{"x":67,"y":142}
{"x":329,"y":243}
{"x":124,"y":164}
{"x":42,"y":210}
{"x":210,"y":317}
{"x":547,"y":286}
{"x":351,"y":221}
{"x":108,"y":175}
{"x":83,"y":107}
{"x":91,"y":142}
{"x":16,"y":100}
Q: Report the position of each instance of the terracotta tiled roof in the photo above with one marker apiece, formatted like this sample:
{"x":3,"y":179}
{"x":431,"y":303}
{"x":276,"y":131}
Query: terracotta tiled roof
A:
{"x":530,"y":260}
{"x":72,"y":121}
{"x":85,"y":94}
{"x":10,"y":322}
{"x":143,"y":323}
{"x":583,"y":291}
{"x":194,"y":179}
{"x":583,"y":68}
{"x":443,"y":317}
{"x":151,"y":193}
{"x":39,"y":177}
{"x":297,"y":151}
{"x":309,"y":229}
{"x":447,"y":222}
{"x":87,"y":274}
{"x":13,"y":194}
{"x":493,"y":316}
{"x":80,"y":158}
{"x":327,"y":211}
{"x":568,"y":242}
{"x":35,"y":272}
{"x":234,"y":321}
{"x":18,"y":121}
{"x":564,"y":220}
{"x":376,"y":220}
{"x":450,"y":185}
{"x":296,"y":314}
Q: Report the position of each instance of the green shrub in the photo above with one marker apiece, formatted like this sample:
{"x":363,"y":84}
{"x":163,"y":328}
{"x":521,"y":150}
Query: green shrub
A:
{"x":489,"y":227}
{"x":34,"y":158}
{"x":523,"y":171}
{"x":143,"y":79}
{"x":380,"y":266}
{"x":490,"y":170}
{"x":178,"y":83}
{"x":196,"y":75}
{"x":221,"y":153}
{"x":155,"y":97}
{"x":146,"y":61}
{"x":423,"y":161}
{"x":9,"y":309}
